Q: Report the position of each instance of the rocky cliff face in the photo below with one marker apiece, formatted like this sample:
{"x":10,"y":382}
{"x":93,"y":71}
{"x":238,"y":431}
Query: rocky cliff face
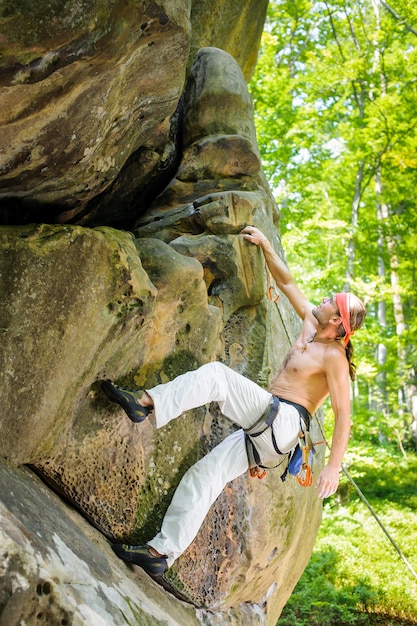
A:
{"x":90,"y":90}
{"x":130,"y":165}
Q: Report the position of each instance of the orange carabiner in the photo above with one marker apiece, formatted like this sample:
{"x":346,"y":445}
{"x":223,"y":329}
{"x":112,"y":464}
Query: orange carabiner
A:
{"x":305,"y":476}
{"x":257,"y":472}
{"x":272,"y":289}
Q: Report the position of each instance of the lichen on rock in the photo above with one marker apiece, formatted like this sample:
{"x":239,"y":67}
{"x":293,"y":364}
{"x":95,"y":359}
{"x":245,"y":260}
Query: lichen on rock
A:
{"x":167,"y":150}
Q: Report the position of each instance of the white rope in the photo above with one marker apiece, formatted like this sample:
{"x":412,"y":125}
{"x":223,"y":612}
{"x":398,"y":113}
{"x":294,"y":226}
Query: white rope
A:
{"x":374,"y":514}
{"x":355,"y":486}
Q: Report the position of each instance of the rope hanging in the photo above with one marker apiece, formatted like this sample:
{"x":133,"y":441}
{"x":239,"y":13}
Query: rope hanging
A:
{"x":273,"y":296}
{"x":372,"y":511}
{"x":307,"y":476}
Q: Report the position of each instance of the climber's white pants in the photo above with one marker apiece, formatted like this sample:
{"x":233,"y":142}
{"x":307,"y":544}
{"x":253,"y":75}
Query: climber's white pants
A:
{"x":239,"y":399}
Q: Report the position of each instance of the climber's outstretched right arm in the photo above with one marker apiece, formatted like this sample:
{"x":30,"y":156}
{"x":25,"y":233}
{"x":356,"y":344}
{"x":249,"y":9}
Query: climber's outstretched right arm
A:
{"x":279,"y":271}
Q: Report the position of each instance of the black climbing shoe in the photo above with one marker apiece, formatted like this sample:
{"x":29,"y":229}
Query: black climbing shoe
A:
{"x":140,"y":555}
{"x":127,"y":399}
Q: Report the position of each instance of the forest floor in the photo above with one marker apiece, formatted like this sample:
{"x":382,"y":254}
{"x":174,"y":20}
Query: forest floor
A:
{"x":356,"y":575}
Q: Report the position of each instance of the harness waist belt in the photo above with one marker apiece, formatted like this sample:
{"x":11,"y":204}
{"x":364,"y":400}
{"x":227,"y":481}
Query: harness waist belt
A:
{"x":300,"y":408}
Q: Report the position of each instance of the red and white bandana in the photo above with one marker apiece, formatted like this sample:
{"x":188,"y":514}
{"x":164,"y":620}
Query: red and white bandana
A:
{"x":342,"y":301}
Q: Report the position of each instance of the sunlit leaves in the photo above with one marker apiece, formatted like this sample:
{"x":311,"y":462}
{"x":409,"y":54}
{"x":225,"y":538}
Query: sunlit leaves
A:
{"x":335,"y":95}
{"x":349,"y":579}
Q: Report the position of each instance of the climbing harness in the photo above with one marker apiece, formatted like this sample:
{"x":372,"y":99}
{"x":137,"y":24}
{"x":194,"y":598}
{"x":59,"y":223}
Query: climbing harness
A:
{"x":256,"y":468}
{"x":299,"y":459}
{"x":304,"y":450}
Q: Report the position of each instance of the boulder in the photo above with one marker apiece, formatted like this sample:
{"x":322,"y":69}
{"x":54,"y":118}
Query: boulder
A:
{"x":89,"y":98}
{"x":57,"y":569}
{"x":181,"y":287}
{"x":140,"y":313}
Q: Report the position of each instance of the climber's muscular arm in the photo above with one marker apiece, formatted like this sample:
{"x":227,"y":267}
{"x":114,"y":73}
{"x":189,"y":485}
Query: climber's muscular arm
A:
{"x":279,"y":271}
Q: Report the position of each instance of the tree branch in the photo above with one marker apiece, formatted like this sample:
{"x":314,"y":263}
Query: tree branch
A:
{"x":395,"y":15}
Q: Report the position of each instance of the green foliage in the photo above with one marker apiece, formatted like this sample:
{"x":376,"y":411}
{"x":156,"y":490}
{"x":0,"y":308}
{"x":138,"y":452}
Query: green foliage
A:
{"x":335,"y":99}
{"x":355,"y":576}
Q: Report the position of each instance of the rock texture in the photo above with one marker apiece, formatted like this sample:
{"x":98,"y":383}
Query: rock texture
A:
{"x":58,"y":570}
{"x":87,"y":301}
{"x":88,"y":97}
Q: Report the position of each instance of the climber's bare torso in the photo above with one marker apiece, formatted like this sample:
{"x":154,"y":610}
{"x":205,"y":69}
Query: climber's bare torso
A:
{"x":317,"y":365}
{"x":303,"y":376}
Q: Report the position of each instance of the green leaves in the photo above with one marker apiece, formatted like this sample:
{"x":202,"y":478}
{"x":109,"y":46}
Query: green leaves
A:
{"x":335,"y":97}
{"x":349,"y":579}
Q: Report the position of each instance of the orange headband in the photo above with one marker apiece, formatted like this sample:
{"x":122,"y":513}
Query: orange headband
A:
{"x":342,"y":301}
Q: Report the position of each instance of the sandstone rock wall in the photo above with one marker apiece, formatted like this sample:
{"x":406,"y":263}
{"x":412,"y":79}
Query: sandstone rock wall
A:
{"x":175,"y":288}
{"x":89,"y":92}
{"x":56,"y":569}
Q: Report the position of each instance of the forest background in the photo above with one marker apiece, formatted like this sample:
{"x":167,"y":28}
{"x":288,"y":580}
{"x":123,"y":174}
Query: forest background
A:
{"x":335,"y":98}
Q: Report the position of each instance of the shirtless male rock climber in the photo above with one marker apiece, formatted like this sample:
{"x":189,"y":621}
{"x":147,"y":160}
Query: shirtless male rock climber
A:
{"x":318,"y":365}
